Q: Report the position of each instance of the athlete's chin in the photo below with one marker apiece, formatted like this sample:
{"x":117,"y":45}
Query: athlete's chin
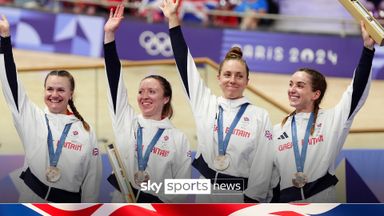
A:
{"x":56,"y":107}
{"x":233,"y":95}
{"x":57,"y":110}
{"x":294,"y":105}
{"x":147,"y":112}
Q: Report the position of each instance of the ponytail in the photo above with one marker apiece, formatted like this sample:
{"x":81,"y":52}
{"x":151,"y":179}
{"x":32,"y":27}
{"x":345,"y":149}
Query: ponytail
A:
{"x":77,"y":114}
{"x":315,"y":112}
{"x":286,"y":118}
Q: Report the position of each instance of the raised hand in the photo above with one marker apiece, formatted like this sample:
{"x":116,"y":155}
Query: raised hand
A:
{"x":115,"y":18}
{"x":368,"y":41}
{"x":169,"y":7}
{"x":4,"y":27}
{"x":113,"y":23}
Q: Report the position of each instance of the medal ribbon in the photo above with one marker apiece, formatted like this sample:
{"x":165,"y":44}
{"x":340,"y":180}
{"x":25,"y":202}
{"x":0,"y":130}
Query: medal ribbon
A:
{"x":300,"y":158}
{"x":54,"y":156}
{"x":142,"y":161}
{"x":224,"y":143}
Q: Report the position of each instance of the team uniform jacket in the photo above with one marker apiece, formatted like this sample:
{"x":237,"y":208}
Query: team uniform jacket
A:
{"x":331,"y":129}
{"x":80,"y":163}
{"x":170,"y":158}
{"x":250,"y":145}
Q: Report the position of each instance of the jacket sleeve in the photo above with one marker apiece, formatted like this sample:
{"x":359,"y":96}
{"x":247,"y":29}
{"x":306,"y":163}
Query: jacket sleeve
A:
{"x":181,"y":166}
{"x":259,"y":180}
{"x":361,"y":81}
{"x":91,"y":185}
{"x":121,"y":112}
{"x":353,"y":98}
{"x":198,"y":93}
{"x":356,"y":93}
{"x":23,"y":111}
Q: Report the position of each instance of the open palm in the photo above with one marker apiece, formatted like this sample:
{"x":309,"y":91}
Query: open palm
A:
{"x":169,"y":7}
{"x":115,"y":18}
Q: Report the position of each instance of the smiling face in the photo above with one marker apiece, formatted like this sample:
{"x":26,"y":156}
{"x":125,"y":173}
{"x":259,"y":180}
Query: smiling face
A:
{"x":233,"y":79}
{"x":300,"y":93}
{"x":58,"y":92}
{"x":151,"y":99}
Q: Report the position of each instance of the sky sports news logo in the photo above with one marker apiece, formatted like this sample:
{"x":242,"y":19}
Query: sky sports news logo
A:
{"x":195,"y":186}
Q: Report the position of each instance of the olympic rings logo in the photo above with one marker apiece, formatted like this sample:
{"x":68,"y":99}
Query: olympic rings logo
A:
{"x":156,"y":44}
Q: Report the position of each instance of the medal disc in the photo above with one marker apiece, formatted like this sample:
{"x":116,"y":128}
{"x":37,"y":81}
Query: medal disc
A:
{"x":140,"y":177}
{"x":53,"y":174}
{"x":299,"y":180}
{"x":221,"y":162}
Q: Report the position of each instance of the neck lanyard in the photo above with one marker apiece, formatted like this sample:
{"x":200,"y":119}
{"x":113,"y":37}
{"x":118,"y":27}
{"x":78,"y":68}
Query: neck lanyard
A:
{"x":142,"y":161}
{"x":224,"y":143}
{"x":54,"y":156}
{"x":300,"y":158}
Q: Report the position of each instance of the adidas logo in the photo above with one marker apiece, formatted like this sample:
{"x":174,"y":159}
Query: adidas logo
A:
{"x":283,"y":136}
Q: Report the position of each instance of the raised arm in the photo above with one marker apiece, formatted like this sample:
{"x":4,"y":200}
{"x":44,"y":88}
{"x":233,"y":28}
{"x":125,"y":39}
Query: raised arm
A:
{"x":363,"y":70}
{"x":122,"y":113}
{"x":179,"y":46}
{"x":25,"y":114}
{"x":198,"y":93}
{"x":9,"y":63}
{"x":354,"y":96}
{"x":112,"y":62}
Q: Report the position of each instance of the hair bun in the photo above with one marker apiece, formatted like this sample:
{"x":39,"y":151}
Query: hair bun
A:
{"x":234,"y":52}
